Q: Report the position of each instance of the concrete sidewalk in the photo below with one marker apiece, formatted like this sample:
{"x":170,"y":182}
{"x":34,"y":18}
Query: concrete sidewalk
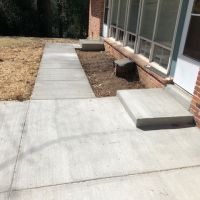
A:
{"x":90,"y":149}
{"x":61,"y":75}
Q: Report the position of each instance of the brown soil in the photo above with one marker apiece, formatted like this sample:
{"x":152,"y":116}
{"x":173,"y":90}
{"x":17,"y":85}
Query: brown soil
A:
{"x":19,"y":64}
{"x":100,"y":72}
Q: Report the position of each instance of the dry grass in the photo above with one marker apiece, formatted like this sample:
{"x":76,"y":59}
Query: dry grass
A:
{"x":19,"y":64}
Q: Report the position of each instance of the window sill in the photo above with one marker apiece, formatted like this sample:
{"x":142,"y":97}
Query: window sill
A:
{"x":140,"y":60}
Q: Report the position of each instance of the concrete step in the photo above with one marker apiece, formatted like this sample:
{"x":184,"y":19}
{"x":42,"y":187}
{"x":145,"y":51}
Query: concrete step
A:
{"x":92,"y":45}
{"x":154,"y":107}
{"x":183,"y":97}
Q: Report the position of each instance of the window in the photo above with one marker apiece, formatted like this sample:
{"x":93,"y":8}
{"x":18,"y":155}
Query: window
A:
{"x":120,"y":36}
{"x":115,"y":7}
{"x":158,"y":25}
{"x":148,"y":18}
{"x":166,"y":22}
{"x":161,"y":56}
{"x":192,"y":45}
{"x":118,"y":21}
{"x":131,"y":40}
{"x":149,"y":27}
{"x":145,"y":48}
{"x":122,"y":14}
{"x":113,"y":32}
{"x":132,"y":23}
{"x":133,"y":16}
{"x":106,"y":12}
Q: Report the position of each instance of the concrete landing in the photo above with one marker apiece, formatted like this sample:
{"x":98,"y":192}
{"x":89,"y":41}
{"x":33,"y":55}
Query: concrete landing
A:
{"x":75,"y":141}
{"x":154,"y":107}
{"x":91,"y":149}
{"x":12,"y":117}
{"x":92,"y":45}
{"x":61,"y":75}
{"x":72,"y":140}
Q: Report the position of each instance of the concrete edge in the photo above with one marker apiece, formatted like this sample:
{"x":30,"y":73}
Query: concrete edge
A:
{"x":187,"y":120}
{"x":126,"y":107}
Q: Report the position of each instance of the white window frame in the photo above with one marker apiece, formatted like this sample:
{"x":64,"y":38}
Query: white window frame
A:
{"x":153,"y":43}
{"x":138,"y":25}
{"x":138,"y":37}
{"x":116,"y":27}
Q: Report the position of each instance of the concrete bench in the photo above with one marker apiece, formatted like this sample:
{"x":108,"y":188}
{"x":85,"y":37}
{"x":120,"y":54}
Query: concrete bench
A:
{"x":92,"y":45}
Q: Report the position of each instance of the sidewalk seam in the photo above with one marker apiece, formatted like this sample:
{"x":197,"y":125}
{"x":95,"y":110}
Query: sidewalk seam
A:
{"x":108,"y":178}
{"x":19,"y":148}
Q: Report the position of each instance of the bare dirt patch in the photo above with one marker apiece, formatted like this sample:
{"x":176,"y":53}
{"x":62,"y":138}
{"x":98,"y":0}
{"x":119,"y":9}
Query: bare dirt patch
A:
{"x":100,"y":71}
{"x":19,"y":63}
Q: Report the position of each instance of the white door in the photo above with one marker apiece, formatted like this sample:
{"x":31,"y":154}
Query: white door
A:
{"x":188,"y":63}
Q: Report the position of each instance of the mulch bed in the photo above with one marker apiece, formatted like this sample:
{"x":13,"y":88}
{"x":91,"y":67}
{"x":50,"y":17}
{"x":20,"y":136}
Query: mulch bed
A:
{"x":19,"y":63}
{"x":99,"y":69}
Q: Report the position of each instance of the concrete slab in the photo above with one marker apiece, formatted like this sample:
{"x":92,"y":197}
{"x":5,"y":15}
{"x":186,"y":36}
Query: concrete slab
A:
{"x":66,"y":49}
{"x":53,"y":150}
{"x":4,"y":196}
{"x":77,"y":46}
{"x":154,"y":107}
{"x":76,"y":117}
{"x":63,"y":148}
{"x":180,"y":184}
{"x":58,"y":48}
{"x":58,"y":53}
{"x":58,"y":58}
{"x":92,"y":45}
{"x":58,"y":45}
{"x":62,"y":90}
{"x":12,"y":117}
{"x":61,"y":75}
{"x":70,"y":64}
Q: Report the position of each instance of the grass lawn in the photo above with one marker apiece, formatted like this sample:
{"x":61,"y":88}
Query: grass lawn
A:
{"x":19,"y":63}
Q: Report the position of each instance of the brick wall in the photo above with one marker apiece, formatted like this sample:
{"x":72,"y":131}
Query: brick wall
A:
{"x":195,"y":106}
{"x":147,"y":79}
{"x":96,"y":15}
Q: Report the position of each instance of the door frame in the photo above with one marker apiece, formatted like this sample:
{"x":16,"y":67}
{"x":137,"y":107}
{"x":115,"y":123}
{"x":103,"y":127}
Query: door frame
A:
{"x":105,"y":30}
{"x":186,"y":63}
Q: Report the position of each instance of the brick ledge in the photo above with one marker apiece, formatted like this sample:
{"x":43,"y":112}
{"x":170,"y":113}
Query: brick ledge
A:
{"x":137,"y":59}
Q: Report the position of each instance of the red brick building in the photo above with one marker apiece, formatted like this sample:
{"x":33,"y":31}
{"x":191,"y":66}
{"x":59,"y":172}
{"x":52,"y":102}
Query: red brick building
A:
{"x":161,"y":37}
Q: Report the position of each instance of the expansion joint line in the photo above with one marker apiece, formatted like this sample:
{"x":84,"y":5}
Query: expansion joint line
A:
{"x":19,"y":148}
{"x":108,"y":178}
